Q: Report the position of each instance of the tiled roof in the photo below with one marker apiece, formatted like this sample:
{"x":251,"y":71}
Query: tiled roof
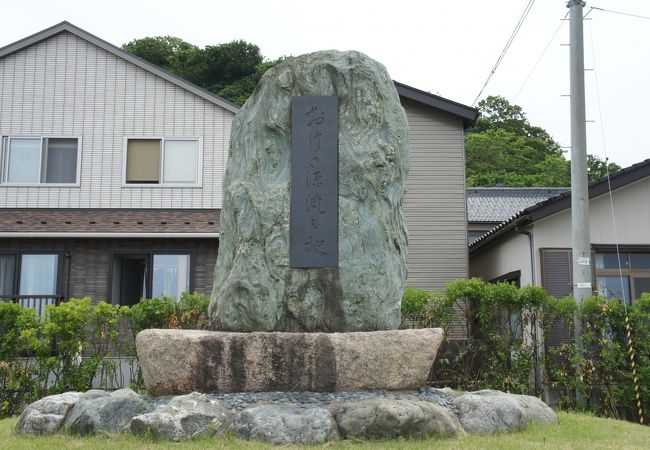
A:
{"x":497,"y":204}
{"x":562,"y":201}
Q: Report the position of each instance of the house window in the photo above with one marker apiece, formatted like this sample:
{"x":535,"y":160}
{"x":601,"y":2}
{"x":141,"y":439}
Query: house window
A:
{"x":623,"y":276}
{"x":171,"y":275}
{"x":163,"y":161}
{"x":138,"y":275}
{"x":31,"y":279}
{"x":7,"y":274}
{"x":40,"y":160}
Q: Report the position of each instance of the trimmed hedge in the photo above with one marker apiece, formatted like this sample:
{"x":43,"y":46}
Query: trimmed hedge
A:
{"x":502,"y":351}
{"x":73,"y":343}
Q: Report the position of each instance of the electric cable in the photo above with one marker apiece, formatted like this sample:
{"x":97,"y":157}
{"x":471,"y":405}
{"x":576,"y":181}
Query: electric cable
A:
{"x":523,"y":16}
{"x":638,"y":16}
{"x":540,"y":57}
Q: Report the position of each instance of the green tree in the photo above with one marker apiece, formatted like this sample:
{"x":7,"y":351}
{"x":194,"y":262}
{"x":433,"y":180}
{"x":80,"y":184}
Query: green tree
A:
{"x":230,"y":70}
{"x":505,"y":148}
{"x":598,"y":168}
{"x":171,"y":53}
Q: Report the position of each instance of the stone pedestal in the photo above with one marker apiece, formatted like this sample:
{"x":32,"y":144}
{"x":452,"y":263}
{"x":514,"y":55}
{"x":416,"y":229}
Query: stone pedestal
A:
{"x":183,"y":361}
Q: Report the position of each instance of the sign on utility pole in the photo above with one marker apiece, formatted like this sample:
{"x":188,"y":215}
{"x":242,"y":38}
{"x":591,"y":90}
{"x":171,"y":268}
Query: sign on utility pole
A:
{"x":579,"y":189}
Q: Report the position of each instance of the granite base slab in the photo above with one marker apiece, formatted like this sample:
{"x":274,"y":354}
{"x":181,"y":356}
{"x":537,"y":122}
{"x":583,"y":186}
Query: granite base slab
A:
{"x":182,"y":361}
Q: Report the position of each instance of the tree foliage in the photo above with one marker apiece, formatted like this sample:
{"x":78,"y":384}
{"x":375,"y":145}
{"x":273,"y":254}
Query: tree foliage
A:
{"x":230,"y":70}
{"x":506,"y":149}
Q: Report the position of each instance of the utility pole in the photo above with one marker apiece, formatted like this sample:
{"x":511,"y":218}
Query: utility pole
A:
{"x":579,"y":190}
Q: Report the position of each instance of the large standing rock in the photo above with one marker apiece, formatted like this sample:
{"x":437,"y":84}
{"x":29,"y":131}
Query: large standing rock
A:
{"x":182,"y":361}
{"x":489,"y":411}
{"x":109,"y":413}
{"x":255,"y":288}
{"x":387,"y":418}
{"x":281,"y":424}
{"x":183,"y":418}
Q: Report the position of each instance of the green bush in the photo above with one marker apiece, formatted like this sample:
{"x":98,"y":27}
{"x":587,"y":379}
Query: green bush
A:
{"x":190,"y":311}
{"x":499,"y":352}
{"x":414,"y":302}
{"x":73,"y":343}
{"x":18,"y":333}
{"x":605,"y":379}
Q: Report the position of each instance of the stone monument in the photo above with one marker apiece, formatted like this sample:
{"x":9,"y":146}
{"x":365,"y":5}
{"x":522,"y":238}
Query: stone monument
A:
{"x":318,"y":153}
{"x":312,"y":251}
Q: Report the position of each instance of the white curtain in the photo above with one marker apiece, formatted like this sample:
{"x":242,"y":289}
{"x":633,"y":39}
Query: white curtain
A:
{"x":24,"y":161}
{"x":170,"y":275}
{"x":38,"y":274}
{"x":180,"y":163}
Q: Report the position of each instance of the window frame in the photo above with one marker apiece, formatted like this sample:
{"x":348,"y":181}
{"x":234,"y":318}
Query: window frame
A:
{"x":630,"y":272}
{"x":58,"y":291}
{"x":4,"y":161}
{"x":149,"y":254}
{"x":161,"y":168}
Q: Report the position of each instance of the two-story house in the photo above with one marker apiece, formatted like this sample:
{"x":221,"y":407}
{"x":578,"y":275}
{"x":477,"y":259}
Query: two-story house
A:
{"x":111,"y":171}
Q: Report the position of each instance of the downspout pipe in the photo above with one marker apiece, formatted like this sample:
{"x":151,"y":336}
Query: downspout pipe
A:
{"x":531,"y":251}
{"x":538,"y":336}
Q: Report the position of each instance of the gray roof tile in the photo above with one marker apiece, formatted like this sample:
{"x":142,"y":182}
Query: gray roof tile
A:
{"x":497,"y":204}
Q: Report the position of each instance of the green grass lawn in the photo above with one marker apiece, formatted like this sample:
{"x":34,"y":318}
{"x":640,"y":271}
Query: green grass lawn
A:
{"x":574,"y":431}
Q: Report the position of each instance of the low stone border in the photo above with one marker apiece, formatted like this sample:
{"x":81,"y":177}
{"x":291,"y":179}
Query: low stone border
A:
{"x":286,"y":417}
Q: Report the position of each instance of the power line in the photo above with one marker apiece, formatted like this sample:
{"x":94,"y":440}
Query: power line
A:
{"x":618,"y":12}
{"x":540,"y":57}
{"x":524,"y":14}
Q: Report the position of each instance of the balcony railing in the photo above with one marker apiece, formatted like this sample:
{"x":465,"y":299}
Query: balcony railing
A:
{"x":38,"y":302}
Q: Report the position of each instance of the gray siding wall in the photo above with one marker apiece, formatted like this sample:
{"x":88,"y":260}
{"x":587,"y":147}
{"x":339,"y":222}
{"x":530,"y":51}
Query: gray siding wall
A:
{"x":66,"y":86}
{"x":434,"y":206}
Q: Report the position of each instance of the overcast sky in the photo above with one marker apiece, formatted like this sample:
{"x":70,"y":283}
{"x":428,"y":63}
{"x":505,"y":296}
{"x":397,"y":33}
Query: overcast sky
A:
{"x":444,"y":47}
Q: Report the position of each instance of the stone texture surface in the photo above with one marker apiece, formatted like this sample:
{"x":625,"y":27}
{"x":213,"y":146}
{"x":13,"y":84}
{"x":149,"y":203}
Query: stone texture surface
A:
{"x":288,"y":417}
{"x":280,"y":424}
{"x":536,"y":410}
{"x":183,"y":418}
{"x":109,"y":413}
{"x":388,"y":418}
{"x":46,"y":415}
{"x":255,"y":288}
{"x":488,"y":411}
{"x":183,"y":361}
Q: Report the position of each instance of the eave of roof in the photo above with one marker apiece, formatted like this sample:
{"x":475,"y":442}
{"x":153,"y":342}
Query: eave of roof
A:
{"x":562,"y":201}
{"x":67,"y":26}
{"x":468,"y":114}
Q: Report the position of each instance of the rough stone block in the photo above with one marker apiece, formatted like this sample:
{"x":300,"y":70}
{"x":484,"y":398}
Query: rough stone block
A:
{"x":183,"y":361}
{"x":489,"y":411}
{"x":255,"y":287}
{"x":109,"y":413}
{"x":184,"y":418}
{"x":389,"y":418}
{"x":281,"y":425}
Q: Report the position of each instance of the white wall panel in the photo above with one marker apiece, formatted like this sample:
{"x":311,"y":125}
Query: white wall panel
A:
{"x":66,"y":86}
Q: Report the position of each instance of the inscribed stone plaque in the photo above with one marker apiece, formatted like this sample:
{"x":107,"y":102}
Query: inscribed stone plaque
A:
{"x":314,"y":181}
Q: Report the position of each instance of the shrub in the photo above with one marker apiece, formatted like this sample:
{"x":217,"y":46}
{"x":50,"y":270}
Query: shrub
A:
{"x":18,"y":333}
{"x":72,"y":344}
{"x":414,"y":301}
{"x":189,"y":312}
